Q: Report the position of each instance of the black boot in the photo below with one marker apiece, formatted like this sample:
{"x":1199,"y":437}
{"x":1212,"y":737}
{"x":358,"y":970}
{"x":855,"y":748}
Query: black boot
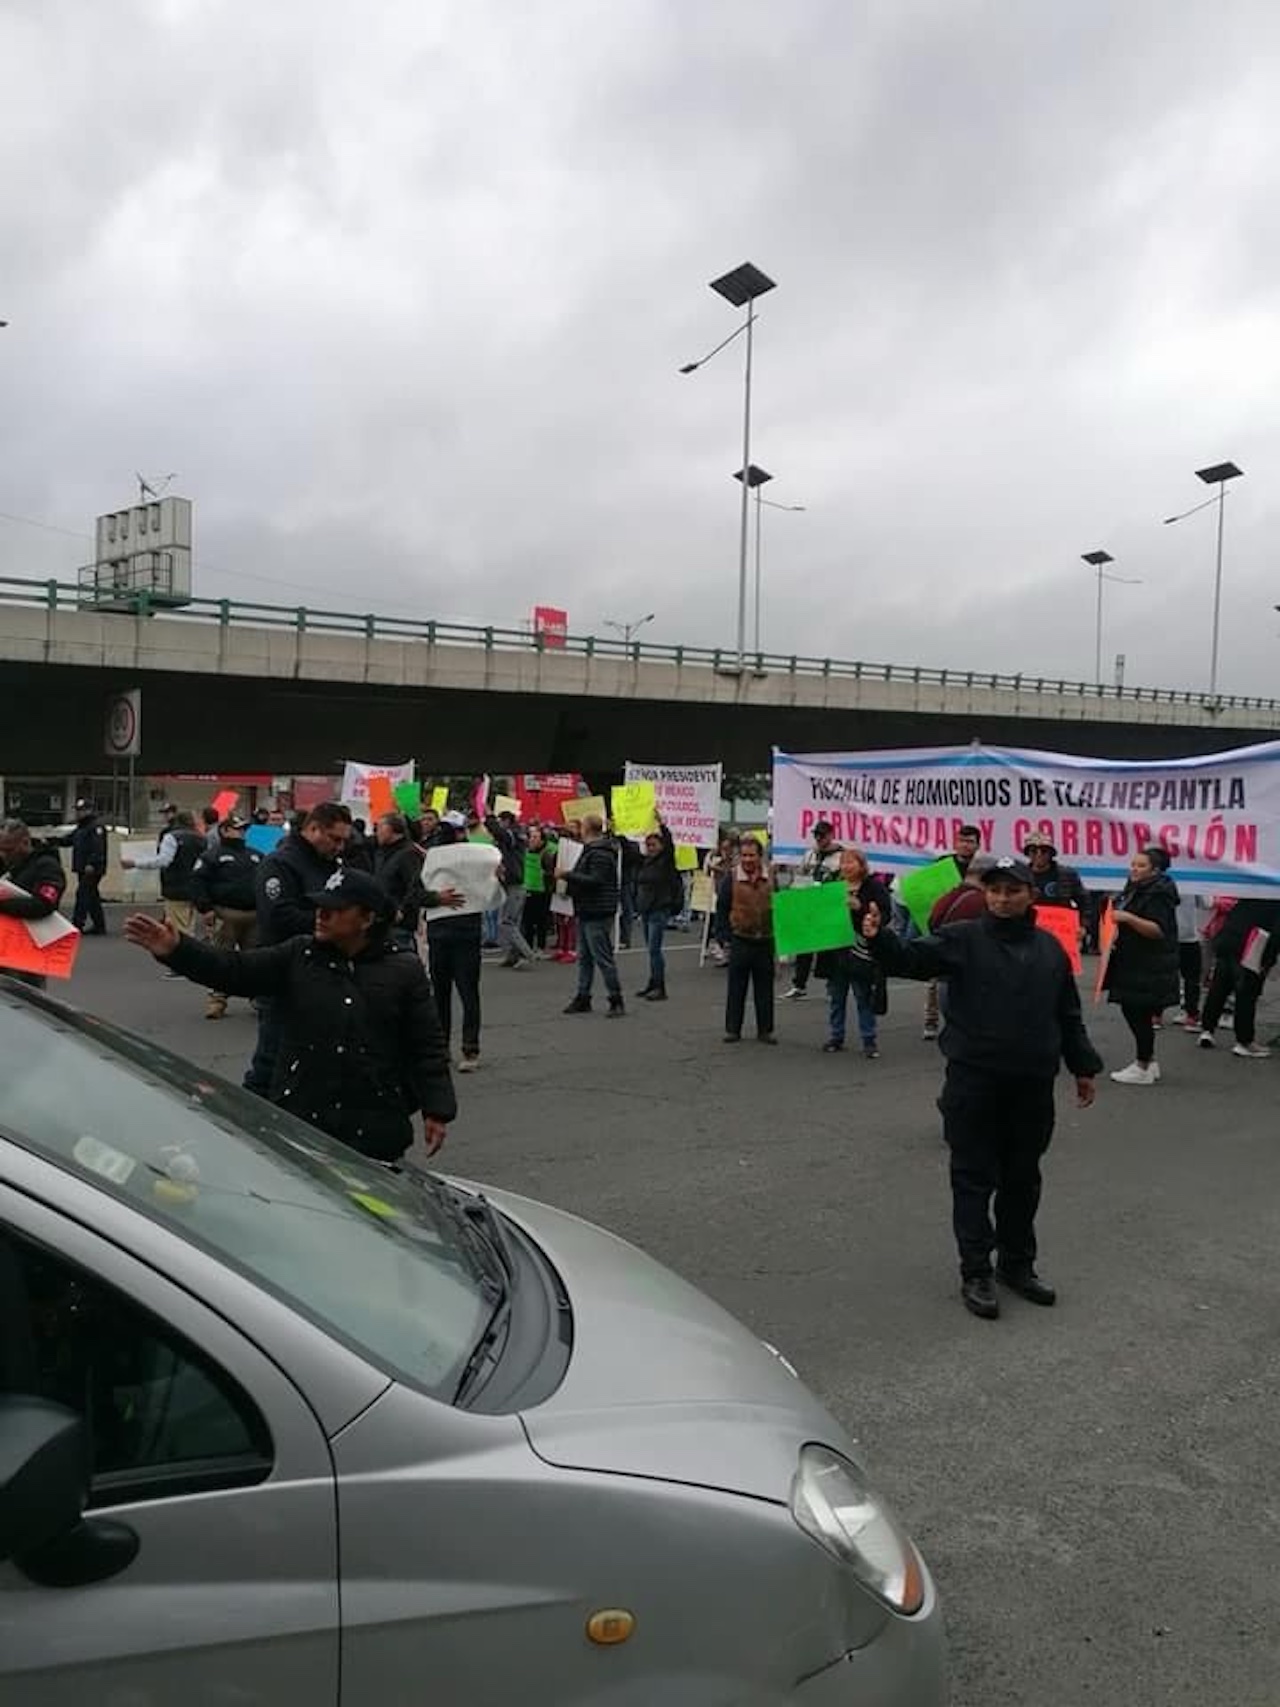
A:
{"x":656,"y":993}
{"x":616,"y":1008}
{"x":579,"y":1005}
{"x":1023,"y":1279}
{"x":642,"y":995}
{"x":979,"y":1296}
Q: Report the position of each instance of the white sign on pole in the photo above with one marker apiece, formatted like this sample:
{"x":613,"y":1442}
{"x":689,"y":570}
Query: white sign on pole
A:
{"x":688,"y":799}
{"x":355,"y":779}
{"x":122,"y":733}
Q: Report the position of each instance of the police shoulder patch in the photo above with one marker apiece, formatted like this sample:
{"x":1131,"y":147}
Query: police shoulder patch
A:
{"x":273,"y":888}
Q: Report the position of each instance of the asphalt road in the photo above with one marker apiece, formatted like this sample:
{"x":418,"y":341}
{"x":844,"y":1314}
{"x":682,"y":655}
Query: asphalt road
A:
{"x":1095,"y":1486}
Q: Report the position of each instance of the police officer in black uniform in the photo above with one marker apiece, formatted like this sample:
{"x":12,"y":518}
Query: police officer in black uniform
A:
{"x":35,"y":869}
{"x":362,"y":1051}
{"x":1012,"y":1015}
{"x":224,"y":887}
{"x":88,"y":844}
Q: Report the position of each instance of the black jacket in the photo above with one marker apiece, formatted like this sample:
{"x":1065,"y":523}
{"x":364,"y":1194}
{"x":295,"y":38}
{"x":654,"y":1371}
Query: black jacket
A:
{"x":857,"y":961}
{"x":285,"y":879}
{"x":1143,"y":971}
{"x":658,"y":883}
{"x":1244,"y":917}
{"x":44,"y":880}
{"x":1060,"y":886}
{"x":510,"y":845}
{"x":593,"y":882}
{"x":361,"y":1047}
{"x":227,"y":878}
{"x":175,"y":878}
{"x":398,"y":868}
{"x":88,"y":844}
{"x":1012,"y":1006}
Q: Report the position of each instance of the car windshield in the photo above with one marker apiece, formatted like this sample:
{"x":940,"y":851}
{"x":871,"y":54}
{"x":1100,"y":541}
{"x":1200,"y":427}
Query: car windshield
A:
{"x":375,"y":1258}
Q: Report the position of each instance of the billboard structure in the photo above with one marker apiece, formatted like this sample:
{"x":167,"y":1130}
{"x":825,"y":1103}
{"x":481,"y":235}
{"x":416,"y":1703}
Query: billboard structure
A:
{"x":143,"y":551}
{"x":551,"y":626}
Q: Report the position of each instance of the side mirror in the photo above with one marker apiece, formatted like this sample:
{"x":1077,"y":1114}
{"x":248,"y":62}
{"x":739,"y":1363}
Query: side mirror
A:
{"x":44,"y":1473}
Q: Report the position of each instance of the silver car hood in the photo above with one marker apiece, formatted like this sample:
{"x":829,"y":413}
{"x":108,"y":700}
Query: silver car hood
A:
{"x":662,"y":1382}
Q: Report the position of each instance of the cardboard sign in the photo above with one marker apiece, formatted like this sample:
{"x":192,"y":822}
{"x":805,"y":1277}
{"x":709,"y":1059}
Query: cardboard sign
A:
{"x":1107,"y":930}
{"x":381,"y":798}
{"x":534,"y":876}
{"x":440,"y":800}
{"x":702,"y":898}
{"x":408,"y":798}
{"x":688,"y":799}
{"x":1063,"y":924}
{"x":635,"y":807}
{"x":225,"y":802}
{"x":471,"y":867}
{"x":805,"y":921}
{"x":920,"y":890}
{"x":686,"y":859}
{"x":585,"y":806}
{"x":505,"y":803}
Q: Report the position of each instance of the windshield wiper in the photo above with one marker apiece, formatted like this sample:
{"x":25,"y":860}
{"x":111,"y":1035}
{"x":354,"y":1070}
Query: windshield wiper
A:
{"x":487,"y":1350}
{"x":484,"y":1238}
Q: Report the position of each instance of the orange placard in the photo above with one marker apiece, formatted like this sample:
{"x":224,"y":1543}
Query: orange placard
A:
{"x":1107,"y":931}
{"x":381,"y":798}
{"x":225,"y":802}
{"x":1063,"y":924}
{"x":18,"y":953}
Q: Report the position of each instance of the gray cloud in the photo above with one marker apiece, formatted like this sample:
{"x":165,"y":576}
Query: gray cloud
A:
{"x":402,"y":295}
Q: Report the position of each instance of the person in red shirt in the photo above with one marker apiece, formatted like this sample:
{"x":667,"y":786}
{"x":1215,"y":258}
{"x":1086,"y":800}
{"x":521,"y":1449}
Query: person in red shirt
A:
{"x":968,"y":900}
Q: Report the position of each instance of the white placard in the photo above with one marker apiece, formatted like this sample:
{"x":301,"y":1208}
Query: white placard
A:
{"x":688,"y":799}
{"x":471,"y":867}
{"x":355,"y":779}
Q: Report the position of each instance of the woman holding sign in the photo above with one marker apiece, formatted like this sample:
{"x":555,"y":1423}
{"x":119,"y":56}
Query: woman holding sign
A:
{"x":852,"y":970}
{"x":1142,"y":973}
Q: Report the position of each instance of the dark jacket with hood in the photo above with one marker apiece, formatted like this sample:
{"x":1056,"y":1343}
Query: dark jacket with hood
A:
{"x":1245,"y":917}
{"x":361,"y":1048}
{"x":1013,"y":1009}
{"x":286,"y":877}
{"x":1143,"y":971}
{"x":40,"y":873}
{"x":227,"y":877}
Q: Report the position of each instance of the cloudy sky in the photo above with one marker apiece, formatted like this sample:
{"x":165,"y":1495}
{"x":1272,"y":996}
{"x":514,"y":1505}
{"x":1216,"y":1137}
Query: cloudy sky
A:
{"x":400,"y":292}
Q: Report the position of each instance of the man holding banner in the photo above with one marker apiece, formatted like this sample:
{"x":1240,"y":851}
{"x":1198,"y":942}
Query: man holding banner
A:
{"x":1012,"y":1016}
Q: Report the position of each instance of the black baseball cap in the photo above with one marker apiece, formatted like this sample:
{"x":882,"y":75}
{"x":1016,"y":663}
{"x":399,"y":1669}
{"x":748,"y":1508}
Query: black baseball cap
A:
{"x":1008,"y":870}
{"x":822,"y":828}
{"x":348,"y":888}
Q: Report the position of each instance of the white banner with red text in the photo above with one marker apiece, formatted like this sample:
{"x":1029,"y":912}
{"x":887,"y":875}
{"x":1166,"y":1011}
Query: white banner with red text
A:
{"x":1217,"y":816}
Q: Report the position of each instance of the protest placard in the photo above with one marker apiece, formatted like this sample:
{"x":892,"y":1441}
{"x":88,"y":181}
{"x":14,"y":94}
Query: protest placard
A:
{"x":1063,"y":924}
{"x":634,"y":808}
{"x":355,"y":781}
{"x":440,"y":799}
{"x":506,"y":803}
{"x":381,"y":798}
{"x":805,"y":921}
{"x":534,"y":876}
{"x":1108,"y":929}
{"x":567,"y":856}
{"x":1217,"y":816}
{"x":585,"y":806}
{"x":45,"y":946}
{"x":132,"y":852}
{"x":472,"y":868}
{"x":920,"y":890}
{"x":702,"y":895}
{"x":408,"y":798}
{"x":264,"y":838}
{"x":686,"y":858}
{"x":688,"y":797}
{"x":224,"y":802}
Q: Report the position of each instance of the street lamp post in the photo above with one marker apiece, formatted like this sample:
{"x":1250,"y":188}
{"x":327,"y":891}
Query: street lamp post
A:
{"x":628,"y":629}
{"x":742,"y":287}
{"x":1098,"y":560}
{"x":1216,"y":475}
{"x":756,"y":480}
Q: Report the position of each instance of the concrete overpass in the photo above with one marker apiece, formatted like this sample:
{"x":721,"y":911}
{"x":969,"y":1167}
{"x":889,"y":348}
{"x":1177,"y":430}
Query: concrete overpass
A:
{"x":231,"y":686}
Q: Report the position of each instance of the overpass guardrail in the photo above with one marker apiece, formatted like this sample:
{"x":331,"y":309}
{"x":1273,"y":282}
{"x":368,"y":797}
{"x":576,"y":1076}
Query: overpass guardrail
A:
{"x":305,"y":619}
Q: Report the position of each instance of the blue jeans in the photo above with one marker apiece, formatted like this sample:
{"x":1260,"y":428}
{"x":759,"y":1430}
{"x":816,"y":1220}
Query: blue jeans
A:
{"x":595,"y":948}
{"x":838,"y":988}
{"x":655,"y":928}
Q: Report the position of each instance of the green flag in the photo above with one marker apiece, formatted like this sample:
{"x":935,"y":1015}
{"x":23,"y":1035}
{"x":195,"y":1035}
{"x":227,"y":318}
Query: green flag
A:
{"x":807,"y":920}
{"x":534,"y":877}
{"x":920,"y":890}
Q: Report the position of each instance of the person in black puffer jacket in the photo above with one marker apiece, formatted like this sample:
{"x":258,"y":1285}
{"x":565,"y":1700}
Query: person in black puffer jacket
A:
{"x":224,"y":889}
{"x":659,"y":896}
{"x":1142,"y":974}
{"x":37,"y":870}
{"x":362,"y":1051}
{"x":593,"y":888}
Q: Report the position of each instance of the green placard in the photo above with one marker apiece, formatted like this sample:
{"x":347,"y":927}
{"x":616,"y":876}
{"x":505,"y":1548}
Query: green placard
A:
{"x":919,"y":890}
{"x":408,"y":798}
{"x":805,"y":921}
{"x":534,"y":876}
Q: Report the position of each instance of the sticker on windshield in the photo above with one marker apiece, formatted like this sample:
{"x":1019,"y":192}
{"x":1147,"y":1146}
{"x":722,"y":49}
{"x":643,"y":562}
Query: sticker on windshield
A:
{"x":375,"y":1205}
{"x":101,"y":1159}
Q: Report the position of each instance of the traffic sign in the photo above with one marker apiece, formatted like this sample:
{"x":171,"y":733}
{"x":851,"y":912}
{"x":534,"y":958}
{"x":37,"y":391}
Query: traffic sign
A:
{"x":122,"y":736}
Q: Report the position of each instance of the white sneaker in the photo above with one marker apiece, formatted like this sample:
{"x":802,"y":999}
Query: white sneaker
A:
{"x":1136,"y":1074}
{"x":1251,"y":1051}
{"x":794,"y":994}
{"x":469,"y":1064}
{"x":929,"y":1034}
{"x":1205,"y":1040}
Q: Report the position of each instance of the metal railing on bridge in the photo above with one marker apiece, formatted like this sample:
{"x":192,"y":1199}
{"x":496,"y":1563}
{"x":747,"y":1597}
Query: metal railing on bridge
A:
{"x":305,"y":619}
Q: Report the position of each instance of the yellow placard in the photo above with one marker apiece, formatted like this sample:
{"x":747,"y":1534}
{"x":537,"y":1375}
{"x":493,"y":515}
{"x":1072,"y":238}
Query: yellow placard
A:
{"x":703,"y":896}
{"x":439,"y":799}
{"x":506,"y":803}
{"x":635,"y":808}
{"x":686,"y":859}
{"x":585,"y":806}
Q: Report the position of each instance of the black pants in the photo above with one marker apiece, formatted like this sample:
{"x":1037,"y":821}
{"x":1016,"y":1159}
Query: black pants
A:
{"x":1141,"y":1022}
{"x":997,"y":1129}
{"x":88,"y":903}
{"x":537,"y":918}
{"x":802,"y":971}
{"x":261,"y":1072}
{"x":1191,"y":967}
{"x":1229,"y":978}
{"x":750,"y":966}
{"x":455,"y":965}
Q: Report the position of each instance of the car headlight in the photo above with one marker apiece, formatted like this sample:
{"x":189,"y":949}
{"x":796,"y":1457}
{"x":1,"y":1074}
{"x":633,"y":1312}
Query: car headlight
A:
{"x":832,"y":1503}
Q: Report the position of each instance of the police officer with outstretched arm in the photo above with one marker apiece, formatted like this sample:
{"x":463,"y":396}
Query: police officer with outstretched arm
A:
{"x":1012,"y":1016}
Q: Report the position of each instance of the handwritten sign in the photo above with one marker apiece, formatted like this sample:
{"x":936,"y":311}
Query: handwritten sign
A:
{"x":585,"y":806}
{"x":1063,"y":924}
{"x":635,"y":808}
